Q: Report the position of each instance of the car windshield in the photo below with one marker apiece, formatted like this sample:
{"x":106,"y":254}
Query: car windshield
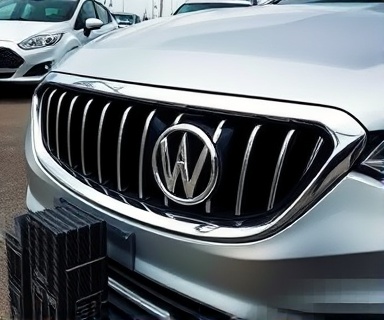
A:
{"x":124,"y":18}
{"x":190,"y":7}
{"x":37,"y":10}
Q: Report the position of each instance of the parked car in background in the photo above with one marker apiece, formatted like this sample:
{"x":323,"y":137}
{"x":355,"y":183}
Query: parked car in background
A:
{"x":34,"y":35}
{"x":197,"y":5}
{"x":126,"y":19}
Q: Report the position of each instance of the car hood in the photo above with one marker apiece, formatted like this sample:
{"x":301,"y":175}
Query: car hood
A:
{"x":17,"y":31}
{"x":330,"y":54}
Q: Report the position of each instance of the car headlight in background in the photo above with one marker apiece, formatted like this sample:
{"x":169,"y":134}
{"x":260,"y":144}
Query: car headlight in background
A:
{"x":372,"y":162}
{"x":40,"y":41}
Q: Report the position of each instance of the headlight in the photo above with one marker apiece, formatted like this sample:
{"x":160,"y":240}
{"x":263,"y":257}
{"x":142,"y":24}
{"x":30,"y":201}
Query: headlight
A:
{"x":41,"y":41}
{"x":373,"y":158}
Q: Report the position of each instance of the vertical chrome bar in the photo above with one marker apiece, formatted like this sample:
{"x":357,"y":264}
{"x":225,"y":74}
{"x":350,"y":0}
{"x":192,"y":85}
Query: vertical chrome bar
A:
{"x":87,"y":181}
{"x":105,"y":190}
{"x":216,"y":137}
{"x":315,"y":151}
{"x":69,"y":130}
{"x":177,"y":120}
{"x":123,"y":198}
{"x":57,"y":124}
{"x":41,"y":105}
{"x":83,"y":136}
{"x":279,"y":166}
{"x":208,"y":205}
{"x":99,"y":136}
{"x":119,"y":144}
{"x":47,"y":117}
{"x":244,"y":168}
{"x":218,"y":131}
{"x":142,"y":149}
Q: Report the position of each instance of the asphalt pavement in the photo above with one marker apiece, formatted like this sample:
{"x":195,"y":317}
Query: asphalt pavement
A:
{"x":14,"y":113}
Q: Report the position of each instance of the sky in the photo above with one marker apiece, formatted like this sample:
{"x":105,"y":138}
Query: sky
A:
{"x":139,"y":7}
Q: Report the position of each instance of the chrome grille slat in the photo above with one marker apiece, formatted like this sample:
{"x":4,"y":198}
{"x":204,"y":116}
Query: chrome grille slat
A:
{"x":119,"y":146}
{"x":57,"y":124}
{"x":47,"y":118}
{"x":279,"y":166}
{"x":41,"y":105}
{"x":215,"y":138}
{"x":142,"y":149}
{"x":208,"y":205}
{"x":69,"y":130}
{"x":104,"y":190}
{"x":122,"y":198}
{"x":178,"y":118}
{"x":83,"y":136}
{"x":244,"y":168}
{"x":316,"y":150}
{"x":99,"y":137}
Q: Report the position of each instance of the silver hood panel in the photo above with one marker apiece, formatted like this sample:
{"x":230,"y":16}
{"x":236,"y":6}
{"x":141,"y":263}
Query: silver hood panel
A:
{"x":330,"y":54}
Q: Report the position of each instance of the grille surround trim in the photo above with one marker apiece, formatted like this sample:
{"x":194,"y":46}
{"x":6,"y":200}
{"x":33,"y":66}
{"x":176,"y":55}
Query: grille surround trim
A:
{"x":347,"y":134}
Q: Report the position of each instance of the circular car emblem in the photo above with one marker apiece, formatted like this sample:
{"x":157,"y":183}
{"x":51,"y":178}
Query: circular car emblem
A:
{"x":185,"y":172}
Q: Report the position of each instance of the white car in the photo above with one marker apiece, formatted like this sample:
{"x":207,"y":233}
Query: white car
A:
{"x":34,"y":35}
{"x":198,"y":5}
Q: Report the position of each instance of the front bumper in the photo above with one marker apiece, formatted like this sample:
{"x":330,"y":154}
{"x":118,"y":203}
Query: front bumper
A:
{"x":35,"y":63}
{"x":328,"y":261}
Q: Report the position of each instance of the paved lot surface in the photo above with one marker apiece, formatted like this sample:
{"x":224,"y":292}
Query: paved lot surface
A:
{"x":14,"y":113}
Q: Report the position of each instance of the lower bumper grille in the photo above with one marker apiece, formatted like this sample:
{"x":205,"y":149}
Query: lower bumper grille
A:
{"x":10,"y":59}
{"x":169,"y":304}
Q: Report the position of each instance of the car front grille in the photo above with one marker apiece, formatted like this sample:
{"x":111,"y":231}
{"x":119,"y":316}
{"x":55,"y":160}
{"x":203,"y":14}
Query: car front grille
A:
{"x":10,"y":59}
{"x":107,"y":143}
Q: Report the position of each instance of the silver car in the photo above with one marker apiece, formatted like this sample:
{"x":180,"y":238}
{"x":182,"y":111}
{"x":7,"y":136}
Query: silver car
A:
{"x":34,"y":35}
{"x":238,"y":153}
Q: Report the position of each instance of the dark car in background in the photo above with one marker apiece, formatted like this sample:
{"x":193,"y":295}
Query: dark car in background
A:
{"x":198,"y":5}
{"x":125,"y":19}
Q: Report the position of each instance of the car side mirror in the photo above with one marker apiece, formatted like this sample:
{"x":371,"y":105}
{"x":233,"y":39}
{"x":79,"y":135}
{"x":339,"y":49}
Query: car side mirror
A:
{"x":92,"y":24}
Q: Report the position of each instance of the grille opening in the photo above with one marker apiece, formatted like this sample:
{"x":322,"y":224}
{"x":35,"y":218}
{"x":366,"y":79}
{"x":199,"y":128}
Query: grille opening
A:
{"x":39,"y":69}
{"x":113,"y":140}
{"x":10,"y":59}
{"x":6,"y":75}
